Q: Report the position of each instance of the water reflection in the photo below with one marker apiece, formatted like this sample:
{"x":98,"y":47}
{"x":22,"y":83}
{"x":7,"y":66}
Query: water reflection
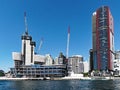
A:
{"x":102,"y":85}
{"x":61,"y":85}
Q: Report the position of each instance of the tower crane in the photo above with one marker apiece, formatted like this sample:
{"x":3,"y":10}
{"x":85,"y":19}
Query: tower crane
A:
{"x":41,"y":42}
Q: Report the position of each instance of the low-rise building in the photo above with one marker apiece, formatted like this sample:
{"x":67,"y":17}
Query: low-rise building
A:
{"x":37,"y":71}
{"x":75,"y":65}
{"x":62,"y":59}
{"x":48,"y":59}
{"x":117,"y":63}
{"x":56,"y":61}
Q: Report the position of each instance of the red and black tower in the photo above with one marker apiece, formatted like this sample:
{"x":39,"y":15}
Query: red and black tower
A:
{"x":103,"y":39}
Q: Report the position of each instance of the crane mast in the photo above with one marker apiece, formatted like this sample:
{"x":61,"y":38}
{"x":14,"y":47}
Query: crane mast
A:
{"x":68,"y":40}
{"x":41,"y":42}
{"x":26,"y":27}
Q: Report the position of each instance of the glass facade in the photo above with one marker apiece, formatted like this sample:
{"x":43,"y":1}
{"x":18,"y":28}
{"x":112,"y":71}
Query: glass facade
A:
{"x":95,"y":61}
{"x":39,"y":71}
{"x":102,"y":54}
{"x":102,"y":30}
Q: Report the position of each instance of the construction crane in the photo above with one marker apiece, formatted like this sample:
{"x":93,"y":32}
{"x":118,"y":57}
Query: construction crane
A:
{"x":26,"y":27}
{"x":41,"y":42}
{"x":68,"y":40}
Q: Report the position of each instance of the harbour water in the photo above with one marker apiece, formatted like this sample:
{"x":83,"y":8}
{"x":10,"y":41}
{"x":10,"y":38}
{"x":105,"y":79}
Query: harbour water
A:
{"x":60,"y":85}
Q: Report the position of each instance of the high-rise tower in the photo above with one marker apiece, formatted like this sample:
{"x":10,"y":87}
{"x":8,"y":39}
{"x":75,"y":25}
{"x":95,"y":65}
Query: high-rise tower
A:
{"x":27,"y":47}
{"x":103,"y":39}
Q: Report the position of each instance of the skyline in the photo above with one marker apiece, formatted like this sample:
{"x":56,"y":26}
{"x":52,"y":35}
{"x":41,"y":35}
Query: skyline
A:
{"x":50,"y":20}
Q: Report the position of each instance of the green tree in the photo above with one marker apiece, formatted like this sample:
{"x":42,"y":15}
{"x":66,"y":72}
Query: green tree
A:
{"x":2,"y":73}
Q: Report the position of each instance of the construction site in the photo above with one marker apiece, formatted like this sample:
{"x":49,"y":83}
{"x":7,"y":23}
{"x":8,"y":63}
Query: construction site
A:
{"x":30,"y":64}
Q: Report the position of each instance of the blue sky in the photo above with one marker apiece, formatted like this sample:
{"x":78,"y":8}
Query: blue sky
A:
{"x":50,"y":19}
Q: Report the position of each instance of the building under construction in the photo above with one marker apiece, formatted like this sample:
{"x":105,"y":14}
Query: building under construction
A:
{"x":29,"y":64}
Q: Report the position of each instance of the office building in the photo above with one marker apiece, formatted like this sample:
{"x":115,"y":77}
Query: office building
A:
{"x":62,"y":59}
{"x":75,"y":65}
{"x":117,"y":63}
{"x":91,"y":64}
{"x":103,"y":39}
{"x":86,"y":66}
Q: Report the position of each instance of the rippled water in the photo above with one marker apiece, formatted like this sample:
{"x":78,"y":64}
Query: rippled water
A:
{"x":61,"y":85}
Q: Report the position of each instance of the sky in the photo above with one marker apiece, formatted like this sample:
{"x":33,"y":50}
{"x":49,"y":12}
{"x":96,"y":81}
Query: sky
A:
{"x":49,"y":19}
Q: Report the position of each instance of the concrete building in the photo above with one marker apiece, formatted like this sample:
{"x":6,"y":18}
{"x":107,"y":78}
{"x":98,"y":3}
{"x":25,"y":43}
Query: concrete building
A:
{"x":27,"y":55}
{"x":62,"y":59}
{"x":56,"y":61}
{"x":117,"y":63}
{"x":103,"y":39}
{"x":75,"y":65}
{"x":29,"y":64}
{"x":48,"y":59}
{"x":86,"y":66}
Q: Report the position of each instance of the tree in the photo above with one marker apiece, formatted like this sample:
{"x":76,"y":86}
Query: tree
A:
{"x":2,"y":73}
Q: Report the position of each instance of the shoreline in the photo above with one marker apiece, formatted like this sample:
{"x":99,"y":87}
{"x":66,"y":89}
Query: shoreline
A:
{"x":63,"y":78}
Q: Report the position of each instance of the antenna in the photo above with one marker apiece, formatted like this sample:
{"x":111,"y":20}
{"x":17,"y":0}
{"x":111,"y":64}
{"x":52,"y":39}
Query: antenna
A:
{"x":68,"y":40}
{"x":41,"y":42}
{"x":26,"y":27}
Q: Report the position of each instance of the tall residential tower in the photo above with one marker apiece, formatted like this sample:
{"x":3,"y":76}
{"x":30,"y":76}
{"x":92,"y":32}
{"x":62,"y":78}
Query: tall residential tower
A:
{"x":103,"y":39}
